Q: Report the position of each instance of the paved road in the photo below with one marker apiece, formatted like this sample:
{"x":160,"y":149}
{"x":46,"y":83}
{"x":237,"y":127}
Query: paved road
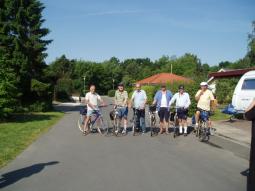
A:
{"x":64,"y":160}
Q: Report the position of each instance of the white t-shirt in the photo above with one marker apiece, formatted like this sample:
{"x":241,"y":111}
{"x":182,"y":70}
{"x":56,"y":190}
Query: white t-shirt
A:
{"x":163,"y":100}
{"x":92,"y":99}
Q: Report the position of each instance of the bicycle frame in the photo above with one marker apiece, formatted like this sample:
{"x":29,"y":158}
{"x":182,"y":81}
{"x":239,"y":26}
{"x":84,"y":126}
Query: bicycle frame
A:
{"x":152,"y":116}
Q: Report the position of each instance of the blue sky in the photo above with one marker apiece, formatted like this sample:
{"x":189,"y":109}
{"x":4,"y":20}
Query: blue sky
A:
{"x":96,"y":30}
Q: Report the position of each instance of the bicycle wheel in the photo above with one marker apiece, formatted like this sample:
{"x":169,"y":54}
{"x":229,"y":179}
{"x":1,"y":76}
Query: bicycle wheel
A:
{"x":80,"y":122}
{"x":103,"y":126}
{"x":116,"y":126}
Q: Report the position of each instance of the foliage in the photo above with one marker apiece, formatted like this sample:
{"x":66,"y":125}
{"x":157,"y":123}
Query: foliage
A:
{"x":111,"y":93}
{"x":225,"y":89}
{"x":22,"y":51}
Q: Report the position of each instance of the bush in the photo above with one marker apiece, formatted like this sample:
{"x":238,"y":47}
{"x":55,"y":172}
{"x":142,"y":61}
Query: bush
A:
{"x":40,"y":107}
{"x":225,"y":89}
{"x":64,"y":89}
{"x":111,"y":93}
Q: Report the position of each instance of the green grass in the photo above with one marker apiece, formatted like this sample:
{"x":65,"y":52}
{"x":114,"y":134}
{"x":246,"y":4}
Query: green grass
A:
{"x":218,"y":115}
{"x":21,"y":131}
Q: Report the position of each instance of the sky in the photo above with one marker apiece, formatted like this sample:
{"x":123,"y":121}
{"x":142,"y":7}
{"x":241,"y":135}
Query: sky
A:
{"x":96,"y":30}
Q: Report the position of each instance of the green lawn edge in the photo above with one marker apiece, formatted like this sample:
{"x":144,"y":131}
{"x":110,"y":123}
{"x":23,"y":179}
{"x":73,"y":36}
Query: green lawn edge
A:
{"x":17,"y":134}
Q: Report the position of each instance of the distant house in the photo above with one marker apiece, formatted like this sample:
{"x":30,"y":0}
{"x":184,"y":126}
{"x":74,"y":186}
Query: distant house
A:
{"x":225,"y":73}
{"x":163,"y":78}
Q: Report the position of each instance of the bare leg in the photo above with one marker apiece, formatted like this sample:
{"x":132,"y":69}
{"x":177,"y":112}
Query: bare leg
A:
{"x":161,"y":127}
{"x":85,"y":128}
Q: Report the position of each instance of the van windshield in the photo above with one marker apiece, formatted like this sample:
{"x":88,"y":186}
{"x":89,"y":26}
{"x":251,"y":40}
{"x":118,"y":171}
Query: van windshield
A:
{"x":248,"y":84}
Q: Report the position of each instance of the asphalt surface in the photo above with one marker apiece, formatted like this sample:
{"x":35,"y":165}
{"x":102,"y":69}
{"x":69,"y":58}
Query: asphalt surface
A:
{"x":65,"y":160}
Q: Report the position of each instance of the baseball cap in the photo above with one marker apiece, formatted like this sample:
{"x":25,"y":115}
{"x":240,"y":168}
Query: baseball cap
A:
{"x":203,"y":84}
{"x":181,"y":87}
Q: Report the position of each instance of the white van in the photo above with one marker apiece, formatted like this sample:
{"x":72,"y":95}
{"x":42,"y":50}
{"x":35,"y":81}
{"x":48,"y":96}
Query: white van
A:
{"x":244,"y":92}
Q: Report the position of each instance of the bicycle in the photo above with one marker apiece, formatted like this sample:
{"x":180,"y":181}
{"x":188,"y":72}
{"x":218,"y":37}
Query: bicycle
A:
{"x":152,"y":117}
{"x":95,"y":123}
{"x":116,"y":121}
{"x":203,"y":131}
{"x":174,"y":121}
{"x":135,"y":128}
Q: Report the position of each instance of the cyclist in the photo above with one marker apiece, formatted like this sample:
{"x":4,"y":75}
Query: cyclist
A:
{"x":91,"y":99}
{"x":162,"y":99}
{"x":182,"y":104}
{"x":204,"y":98}
{"x":121,"y":101}
{"x":139,"y":99}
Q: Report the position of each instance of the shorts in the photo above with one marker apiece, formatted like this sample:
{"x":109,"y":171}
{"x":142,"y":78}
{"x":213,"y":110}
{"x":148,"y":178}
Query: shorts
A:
{"x":182,"y":113}
{"x":92,"y":112}
{"x":204,"y":115}
{"x":163,"y":114}
{"x":122,"y":112}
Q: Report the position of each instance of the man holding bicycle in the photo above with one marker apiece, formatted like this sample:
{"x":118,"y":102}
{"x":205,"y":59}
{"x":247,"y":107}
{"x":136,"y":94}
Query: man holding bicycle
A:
{"x":139,"y":99}
{"x":162,"y":99}
{"x":182,"y":104}
{"x":204,"y":99}
{"x":121,"y":103}
{"x":92,"y":100}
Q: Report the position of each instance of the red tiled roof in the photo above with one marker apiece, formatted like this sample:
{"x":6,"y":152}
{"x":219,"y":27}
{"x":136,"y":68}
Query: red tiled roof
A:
{"x":230,"y":73}
{"x":163,"y":78}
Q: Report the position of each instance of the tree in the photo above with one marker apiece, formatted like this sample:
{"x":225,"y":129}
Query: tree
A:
{"x":22,"y":43}
{"x":251,"y":45}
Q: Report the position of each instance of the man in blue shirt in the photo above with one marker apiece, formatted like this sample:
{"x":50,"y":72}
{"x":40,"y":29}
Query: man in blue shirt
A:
{"x":139,"y":99}
{"x":162,"y":99}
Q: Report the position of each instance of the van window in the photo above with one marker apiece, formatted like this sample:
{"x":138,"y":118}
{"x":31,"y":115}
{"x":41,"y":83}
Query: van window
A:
{"x":248,"y":84}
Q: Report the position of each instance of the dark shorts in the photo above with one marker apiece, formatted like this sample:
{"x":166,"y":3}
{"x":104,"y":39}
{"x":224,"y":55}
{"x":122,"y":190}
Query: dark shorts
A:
{"x":182,"y":113}
{"x":163,"y":114}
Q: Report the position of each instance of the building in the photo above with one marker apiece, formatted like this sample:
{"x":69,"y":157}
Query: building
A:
{"x":163,"y":78}
{"x":225,"y":73}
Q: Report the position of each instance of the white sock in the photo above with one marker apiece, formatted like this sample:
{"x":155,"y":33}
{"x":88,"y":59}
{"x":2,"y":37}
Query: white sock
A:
{"x":180,"y":129}
{"x":125,"y":127}
{"x":185,"y":129}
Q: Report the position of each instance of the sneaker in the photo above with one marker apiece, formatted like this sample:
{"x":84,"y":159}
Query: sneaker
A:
{"x":116,"y":131}
{"x":124,"y":131}
{"x":143,"y":132}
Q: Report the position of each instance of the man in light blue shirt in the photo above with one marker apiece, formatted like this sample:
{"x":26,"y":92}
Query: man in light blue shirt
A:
{"x":139,"y":99}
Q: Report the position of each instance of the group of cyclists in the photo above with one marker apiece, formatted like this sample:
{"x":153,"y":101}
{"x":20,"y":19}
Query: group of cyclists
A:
{"x":163,"y":101}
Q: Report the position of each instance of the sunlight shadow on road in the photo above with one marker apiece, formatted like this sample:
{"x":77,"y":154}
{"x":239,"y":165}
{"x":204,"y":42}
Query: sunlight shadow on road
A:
{"x":16,"y":175}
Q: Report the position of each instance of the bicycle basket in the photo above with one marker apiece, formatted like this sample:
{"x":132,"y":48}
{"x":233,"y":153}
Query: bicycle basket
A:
{"x":152,"y":108}
{"x":83,"y":111}
{"x":112,"y":115}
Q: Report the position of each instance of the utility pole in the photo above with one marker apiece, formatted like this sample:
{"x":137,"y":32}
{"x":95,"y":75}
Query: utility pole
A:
{"x":250,"y":115}
{"x":113,"y":83}
{"x":84,"y":84}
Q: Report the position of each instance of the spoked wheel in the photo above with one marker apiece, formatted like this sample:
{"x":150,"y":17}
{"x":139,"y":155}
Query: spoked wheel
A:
{"x":80,"y":122}
{"x":153,"y":127}
{"x":204,"y":135}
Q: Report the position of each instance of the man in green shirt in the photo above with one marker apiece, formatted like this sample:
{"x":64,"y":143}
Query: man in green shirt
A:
{"x":121,"y":103}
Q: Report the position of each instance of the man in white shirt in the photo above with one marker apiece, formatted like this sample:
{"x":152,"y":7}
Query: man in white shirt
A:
{"x":182,"y":104}
{"x":92,"y":100}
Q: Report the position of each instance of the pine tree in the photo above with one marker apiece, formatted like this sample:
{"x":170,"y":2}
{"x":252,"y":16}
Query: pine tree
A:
{"x":22,"y":44}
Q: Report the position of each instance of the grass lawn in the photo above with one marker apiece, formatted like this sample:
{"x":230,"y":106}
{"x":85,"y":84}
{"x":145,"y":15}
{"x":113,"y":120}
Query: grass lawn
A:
{"x":17,"y":134}
{"x":218,"y":115}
